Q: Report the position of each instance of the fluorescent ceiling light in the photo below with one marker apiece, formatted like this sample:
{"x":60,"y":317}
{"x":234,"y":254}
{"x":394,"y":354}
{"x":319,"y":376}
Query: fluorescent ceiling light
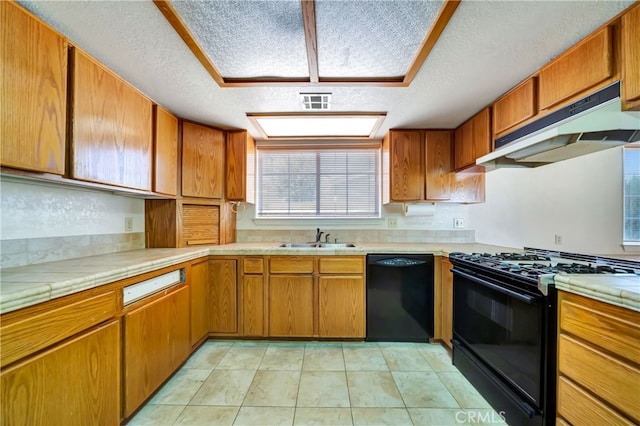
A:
{"x":302,"y":126}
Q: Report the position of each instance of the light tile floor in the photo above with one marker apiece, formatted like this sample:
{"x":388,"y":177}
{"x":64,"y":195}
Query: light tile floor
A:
{"x":266,"y":383}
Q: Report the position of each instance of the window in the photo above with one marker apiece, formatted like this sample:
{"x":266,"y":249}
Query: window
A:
{"x":631,"y":193}
{"x":318,"y":183}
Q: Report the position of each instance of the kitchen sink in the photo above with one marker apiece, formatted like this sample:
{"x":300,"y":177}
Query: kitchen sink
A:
{"x":299,"y":245}
{"x":316,"y":245}
{"x":336,"y":245}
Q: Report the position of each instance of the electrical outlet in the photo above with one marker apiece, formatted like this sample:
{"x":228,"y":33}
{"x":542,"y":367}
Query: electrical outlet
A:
{"x":392,"y":222}
{"x":558,"y":239}
{"x":458,"y":223}
{"x":128,"y":224}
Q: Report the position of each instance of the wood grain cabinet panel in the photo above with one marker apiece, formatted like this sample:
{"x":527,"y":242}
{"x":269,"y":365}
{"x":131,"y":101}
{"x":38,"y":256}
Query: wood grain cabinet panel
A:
{"x":33,"y":89}
{"x":156,"y":342}
{"x":240,"y":167}
{"x":447,"y":303}
{"x":463,"y":146}
{"x":200,"y":224}
{"x":199,"y":294}
{"x":253,"y":305}
{"x":438,"y":164}
{"x":407,"y":166}
{"x":202,"y":161}
{"x":223,"y":296}
{"x":165,"y":159}
{"x":341,"y":306}
{"x":291,"y":305}
{"x":515,"y":107}
{"x":598,"y":369}
{"x":38,"y":330}
{"x":112,"y":128}
{"x":75,"y":383}
{"x":291,"y":265}
{"x":580,"y":68}
{"x":631,"y":59}
{"x":341,"y":265}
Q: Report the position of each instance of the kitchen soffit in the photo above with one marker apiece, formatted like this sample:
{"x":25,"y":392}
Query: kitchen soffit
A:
{"x":265,"y":42}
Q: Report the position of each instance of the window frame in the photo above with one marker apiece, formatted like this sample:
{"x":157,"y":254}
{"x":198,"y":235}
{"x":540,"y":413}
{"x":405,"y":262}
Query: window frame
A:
{"x":633,"y":147}
{"x":317,"y":149}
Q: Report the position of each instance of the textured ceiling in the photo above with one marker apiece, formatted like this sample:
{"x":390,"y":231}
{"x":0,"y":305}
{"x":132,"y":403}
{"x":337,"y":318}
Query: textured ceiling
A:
{"x":486,"y":49}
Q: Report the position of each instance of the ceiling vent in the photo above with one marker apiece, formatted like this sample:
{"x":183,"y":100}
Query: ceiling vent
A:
{"x":316,"y":101}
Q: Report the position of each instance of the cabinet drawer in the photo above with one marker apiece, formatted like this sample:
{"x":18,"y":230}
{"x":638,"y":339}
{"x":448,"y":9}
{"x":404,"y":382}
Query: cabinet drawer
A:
{"x":26,"y":336}
{"x":253,"y":265}
{"x":515,"y":107}
{"x":291,"y":265}
{"x":610,"y":327}
{"x":580,"y":408}
{"x":587,"y":64}
{"x":341,"y":265}
{"x":200,"y":224}
{"x":611,"y":379}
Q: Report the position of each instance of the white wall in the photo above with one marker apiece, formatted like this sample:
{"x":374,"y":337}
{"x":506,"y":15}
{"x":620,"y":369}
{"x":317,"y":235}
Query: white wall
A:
{"x":579,"y":199}
{"x":33,"y":210}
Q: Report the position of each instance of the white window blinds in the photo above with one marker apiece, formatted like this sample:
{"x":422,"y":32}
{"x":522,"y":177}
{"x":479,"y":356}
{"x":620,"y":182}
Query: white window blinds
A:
{"x":323,"y":183}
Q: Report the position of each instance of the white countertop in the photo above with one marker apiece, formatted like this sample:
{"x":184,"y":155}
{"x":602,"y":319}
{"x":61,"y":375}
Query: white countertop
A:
{"x":25,"y":286}
{"x":619,"y":289}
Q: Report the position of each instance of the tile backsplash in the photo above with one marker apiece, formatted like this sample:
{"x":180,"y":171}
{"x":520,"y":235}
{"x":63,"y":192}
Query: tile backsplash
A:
{"x":358,"y":236}
{"x":46,"y":222}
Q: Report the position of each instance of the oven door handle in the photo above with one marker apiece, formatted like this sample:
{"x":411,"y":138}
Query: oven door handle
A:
{"x":522,"y":297}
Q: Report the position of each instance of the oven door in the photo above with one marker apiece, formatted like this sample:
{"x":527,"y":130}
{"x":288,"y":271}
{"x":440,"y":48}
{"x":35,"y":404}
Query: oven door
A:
{"x":502,"y":326}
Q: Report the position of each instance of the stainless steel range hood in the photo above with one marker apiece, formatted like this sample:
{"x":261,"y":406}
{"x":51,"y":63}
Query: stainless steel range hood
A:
{"x":591,"y":124}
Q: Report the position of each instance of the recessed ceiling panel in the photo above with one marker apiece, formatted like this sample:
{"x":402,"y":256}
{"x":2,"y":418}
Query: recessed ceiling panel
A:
{"x":287,"y":126}
{"x":249,"y":39}
{"x":371,"y":38}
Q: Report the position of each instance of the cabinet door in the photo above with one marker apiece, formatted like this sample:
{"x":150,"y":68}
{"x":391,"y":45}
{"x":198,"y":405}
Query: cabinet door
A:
{"x":580,"y":68}
{"x":481,"y":134}
{"x":200,"y":224}
{"x":291,"y":305}
{"x":156,"y":342}
{"x":341,"y":304}
{"x":438,"y":165}
{"x":406,"y":162}
{"x":631,"y":58}
{"x":74,"y":383}
{"x":515,"y":107}
{"x":33,"y":89}
{"x":240,"y":167}
{"x":199,"y":283}
{"x":112,"y":128}
{"x":223,"y":297}
{"x":253,"y":305}
{"x":165,"y":165}
{"x":463,"y":146}
{"x":202,"y":161}
{"x":447,"y":302}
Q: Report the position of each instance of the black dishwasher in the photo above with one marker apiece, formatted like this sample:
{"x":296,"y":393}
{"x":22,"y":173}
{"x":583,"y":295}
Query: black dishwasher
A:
{"x":399,"y":297}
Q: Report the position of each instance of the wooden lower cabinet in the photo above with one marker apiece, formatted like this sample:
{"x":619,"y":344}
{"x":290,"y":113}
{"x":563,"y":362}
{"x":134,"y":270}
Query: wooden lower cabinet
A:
{"x":447,"y":303}
{"x":76,"y":382}
{"x":291,"y":305}
{"x":598,"y":362}
{"x":223,"y":296}
{"x":199,"y":284}
{"x":341,"y":305}
{"x":156,"y":343}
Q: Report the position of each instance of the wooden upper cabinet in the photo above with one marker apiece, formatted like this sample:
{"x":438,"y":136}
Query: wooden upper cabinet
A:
{"x":513,"y":108}
{"x":406,"y":149}
{"x":240,"y":167}
{"x":631,"y":59}
{"x":202,"y":161}
{"x":165,"y":159}
{"x":472,"y":139}
{"x":580,"y":68}
{"x":33,"y":89}
{"x":112,"y":128}
{"x":438,"y":163}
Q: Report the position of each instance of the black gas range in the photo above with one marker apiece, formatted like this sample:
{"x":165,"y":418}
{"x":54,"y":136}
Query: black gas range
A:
{"x":504,"y":326}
